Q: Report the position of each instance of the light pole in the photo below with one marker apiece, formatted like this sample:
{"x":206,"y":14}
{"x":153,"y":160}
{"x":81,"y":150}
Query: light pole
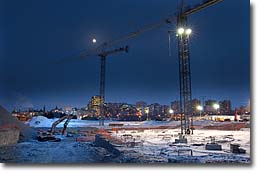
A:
{"x":200,"y":108}
{"x":216,"y":106}
{"x":147,"y":112}
{"x":171,"y":112}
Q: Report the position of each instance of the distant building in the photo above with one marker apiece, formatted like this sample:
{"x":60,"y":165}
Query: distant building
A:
{"x":164,"y":110}
{"x":242,"y":110}
{"x":113,"y":109}
{"x":208,"y":108}
{"x":225,"y":107}
{"x":128,"y":112}
{"x":194,"y":104}
{"x":154,"y":109}
{"x":94,"y":104}
{"x":175,"y":106}
{"x":140,"y":106}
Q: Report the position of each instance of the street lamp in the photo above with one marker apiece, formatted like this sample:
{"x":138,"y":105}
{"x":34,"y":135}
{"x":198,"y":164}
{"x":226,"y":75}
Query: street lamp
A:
{"x":180,"y":31}
{"x":147,"y":112}
{"x":171,"y":111}
{"x":216,"y":106}
{"x":186,"y":31}
{"x":200,"y":108}
{"x":94,"y":40}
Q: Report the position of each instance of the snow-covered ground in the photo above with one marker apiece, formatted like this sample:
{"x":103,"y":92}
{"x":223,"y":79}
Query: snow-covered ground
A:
{"x":40,"y":121}
{"x":158,"y":145}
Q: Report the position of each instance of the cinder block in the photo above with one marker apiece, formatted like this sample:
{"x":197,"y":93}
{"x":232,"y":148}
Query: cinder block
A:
{"x":181,"y":140}
{"x":213,"y":147}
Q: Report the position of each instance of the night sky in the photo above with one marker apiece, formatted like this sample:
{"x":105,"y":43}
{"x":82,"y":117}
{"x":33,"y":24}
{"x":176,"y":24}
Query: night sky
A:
{"x":35,"y":34}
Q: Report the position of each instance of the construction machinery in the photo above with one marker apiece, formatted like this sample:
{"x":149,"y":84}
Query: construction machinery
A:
{"x":50,"y":134}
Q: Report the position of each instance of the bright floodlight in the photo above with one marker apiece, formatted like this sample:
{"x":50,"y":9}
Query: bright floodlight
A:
{"x":170,"y":111}
{"x":216,"y":106}
{"x":94,"y":40}
{"x":180,"y":31}
{"x":188,"y":31}
{"x":200,"y":108}
{"x":146,"y":111}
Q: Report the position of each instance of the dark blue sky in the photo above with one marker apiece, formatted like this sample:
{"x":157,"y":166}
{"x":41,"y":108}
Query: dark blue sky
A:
{"x":35,"y":33}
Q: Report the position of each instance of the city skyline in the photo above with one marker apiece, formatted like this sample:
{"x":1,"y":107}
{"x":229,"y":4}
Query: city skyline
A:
{"x":44,"y":33}
{"x":204,"y":102}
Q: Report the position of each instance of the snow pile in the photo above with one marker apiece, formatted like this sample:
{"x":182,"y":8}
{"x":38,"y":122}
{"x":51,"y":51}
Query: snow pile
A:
{"x":40,"y":121}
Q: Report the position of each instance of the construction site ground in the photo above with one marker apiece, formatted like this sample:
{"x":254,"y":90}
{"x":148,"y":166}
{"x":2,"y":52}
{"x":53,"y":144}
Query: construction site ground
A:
{"x":136,"y":144}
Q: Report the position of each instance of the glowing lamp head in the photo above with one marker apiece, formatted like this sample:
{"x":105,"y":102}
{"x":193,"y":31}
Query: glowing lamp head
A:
{"x":200,"y":108}
{"x":216,"y":106}
{"x":180,"y":31}
{"x":188,"y":31}
{"x":170,"y":111}
{"x":94,"y":40}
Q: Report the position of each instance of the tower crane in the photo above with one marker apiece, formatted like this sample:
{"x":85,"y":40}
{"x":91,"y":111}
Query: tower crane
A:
{"x":103,"y":56}
{"x":181,"y":19}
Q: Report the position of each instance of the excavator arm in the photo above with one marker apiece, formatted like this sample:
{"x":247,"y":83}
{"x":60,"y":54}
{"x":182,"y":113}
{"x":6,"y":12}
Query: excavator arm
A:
{"x":53,"y":127}
{"x":49,"y":135}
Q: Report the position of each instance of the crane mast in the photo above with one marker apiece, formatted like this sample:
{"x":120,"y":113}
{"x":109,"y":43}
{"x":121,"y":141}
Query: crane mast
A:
{"x":103,"y":56}
{"x":184,"y":65}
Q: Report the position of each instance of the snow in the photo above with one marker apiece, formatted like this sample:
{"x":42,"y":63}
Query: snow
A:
{"x":40,"y":121}
{"x":158,"y":144}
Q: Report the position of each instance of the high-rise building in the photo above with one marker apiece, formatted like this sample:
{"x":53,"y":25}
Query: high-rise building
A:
{"x":225,"y":107}
{"x":165,"y":110}
{"x":113,"y":109}
{"x":140,"y":105}
{"x":194,"y":104}
{"x":94,"y":104}
{"x":208,"y":108}
{"x":175,"y":106}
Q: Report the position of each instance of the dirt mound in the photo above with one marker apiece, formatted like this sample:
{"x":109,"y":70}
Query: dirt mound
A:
{"x":8,"y":121}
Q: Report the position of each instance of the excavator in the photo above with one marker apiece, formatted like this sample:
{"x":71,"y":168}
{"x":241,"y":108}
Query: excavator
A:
{"x":50,"y":134}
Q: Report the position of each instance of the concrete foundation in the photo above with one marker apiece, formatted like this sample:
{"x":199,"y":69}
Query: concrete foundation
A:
{"x":185,"y":159}
{"x":235,"y":148}
{"x":9,"y":136}
{"x":181,"y":140}
{"x":104,"y":143}
{"x":212,"y":146}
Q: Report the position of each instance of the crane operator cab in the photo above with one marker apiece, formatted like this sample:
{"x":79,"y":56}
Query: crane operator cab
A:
{"x":50,"y":134}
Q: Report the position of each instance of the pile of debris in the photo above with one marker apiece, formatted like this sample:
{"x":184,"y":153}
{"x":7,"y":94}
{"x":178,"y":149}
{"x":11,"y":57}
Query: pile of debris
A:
{"x":11,"y":123}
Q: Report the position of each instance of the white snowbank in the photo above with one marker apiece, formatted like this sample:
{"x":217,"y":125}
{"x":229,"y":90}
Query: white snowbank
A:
{"x":40,"y":121}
